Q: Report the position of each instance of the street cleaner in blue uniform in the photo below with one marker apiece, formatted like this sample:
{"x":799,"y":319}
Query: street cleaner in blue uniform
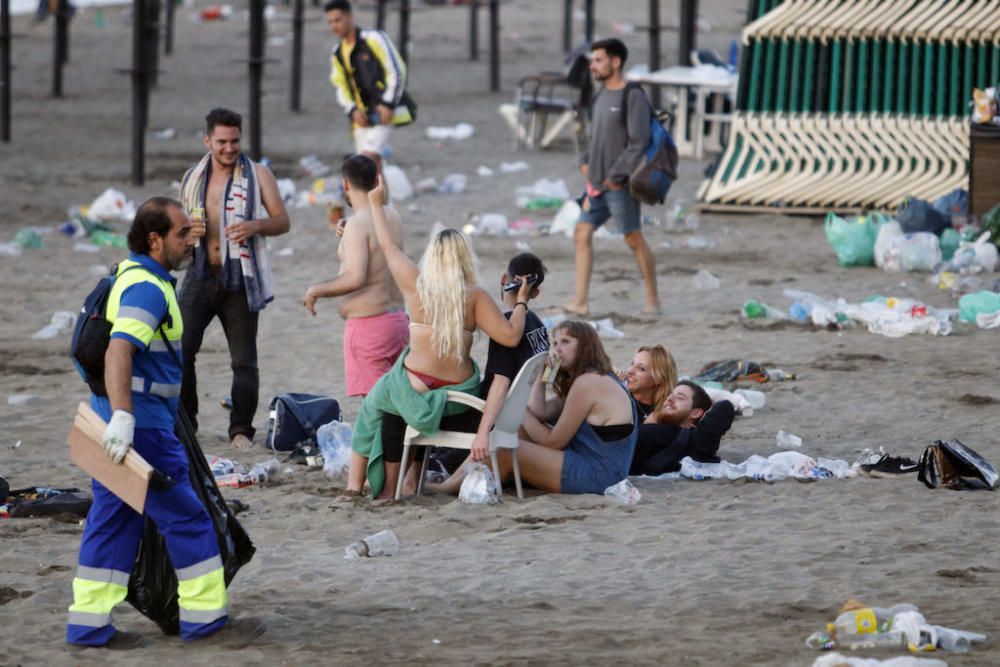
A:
{"x":143,"y":372}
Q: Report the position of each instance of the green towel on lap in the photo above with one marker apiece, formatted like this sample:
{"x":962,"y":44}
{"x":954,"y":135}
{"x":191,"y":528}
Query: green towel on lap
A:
{"x":394,"y":394}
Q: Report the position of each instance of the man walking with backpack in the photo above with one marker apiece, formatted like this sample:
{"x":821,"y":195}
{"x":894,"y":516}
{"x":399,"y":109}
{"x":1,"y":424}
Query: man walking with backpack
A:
{"x":369,"y":77}
{"x":142,"y":378}
{"x":620,"y":133}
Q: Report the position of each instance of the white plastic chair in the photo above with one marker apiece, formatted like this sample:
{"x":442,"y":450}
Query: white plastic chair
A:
{"x":504,"y":433}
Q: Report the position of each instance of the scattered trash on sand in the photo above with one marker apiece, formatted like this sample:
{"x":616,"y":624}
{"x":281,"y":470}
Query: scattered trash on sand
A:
{"x":953,"y":465}
{"x":776,"y":467}
{"x":785,"y":439}
{"x":312,"y":167}
{"x":229,"y":473}
{"x":484,"y":171}
{"x":62,"y":320}
{"x":543,"y":193}
{"x":382,"y":543}
{"x":511,"y":167}
{"x":623,"y":493}
{"x":456,"y":133}
{"x":164,"y":134}
{"x":566,"y":218}
{"x":23,"y":399}
{"x":112,"y":206}
{"x":706,"y":280}
{"x":900,"y":627}
{"x":453,"y":184}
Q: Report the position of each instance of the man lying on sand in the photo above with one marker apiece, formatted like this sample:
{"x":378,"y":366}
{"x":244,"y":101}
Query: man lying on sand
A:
{"x":686,"y":425}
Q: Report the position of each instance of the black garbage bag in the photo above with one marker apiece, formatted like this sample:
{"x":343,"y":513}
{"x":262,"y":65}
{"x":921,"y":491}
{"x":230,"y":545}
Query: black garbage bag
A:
{"x":918,"y":215}
{"x":152,"y":590}
{"x":953,"y":465}
{"x":38,"y":501}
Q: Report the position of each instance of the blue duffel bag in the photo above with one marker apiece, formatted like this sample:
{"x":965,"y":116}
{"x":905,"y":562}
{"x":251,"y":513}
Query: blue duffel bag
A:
{"x":293,"y":419}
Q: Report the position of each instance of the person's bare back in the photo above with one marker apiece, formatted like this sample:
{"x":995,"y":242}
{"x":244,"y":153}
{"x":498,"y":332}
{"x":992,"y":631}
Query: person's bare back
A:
{"x":379,"y":293}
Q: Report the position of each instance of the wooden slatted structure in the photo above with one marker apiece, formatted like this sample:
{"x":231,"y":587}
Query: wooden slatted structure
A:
{"x":855,"y":103}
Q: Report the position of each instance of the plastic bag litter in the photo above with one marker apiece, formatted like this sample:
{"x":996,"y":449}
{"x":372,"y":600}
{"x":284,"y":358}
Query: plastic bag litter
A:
{"x":286,"y":188}
{"x":918,"y":215}
{"x":972,"y":306}
{"x":511,"y":167}
{"x":112,"y":205}
{"x":491,"y":224}
{"x":606,"y":328}
{"x":334,"y":440}
{"x":566,"y":218}
{"x":62,"y":320}
{"x":840,"y":660}
{"x":397,"y":182}
{"x":542,"y":189}
{"x":706,"y":280}
{"x":773,"y":468}
{"x":853,"y":240}
{"x":623,"y":493}
{"x":479,"y":486}
{"x":974,"y":256}
{"x":152,"y":588}
{"x":456,"y":132}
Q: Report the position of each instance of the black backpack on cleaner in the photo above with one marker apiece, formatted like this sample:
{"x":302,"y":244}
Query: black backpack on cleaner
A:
{"x":92,"y":333}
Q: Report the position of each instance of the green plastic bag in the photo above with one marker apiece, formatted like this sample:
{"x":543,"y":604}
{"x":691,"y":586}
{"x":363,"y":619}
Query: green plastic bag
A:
{"x":950,"y":240}
{"x":853,"y":239}
{"x":975,"y":303}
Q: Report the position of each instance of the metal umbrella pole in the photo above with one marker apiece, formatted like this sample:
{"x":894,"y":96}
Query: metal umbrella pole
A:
{"x":256,"y":65}
{"x":168,"y":33}
{"x":654,"y":47}
{"x":494,"y":45}
{"x":60,"y":46}
{"x":140,"y":92}
{"x":295,"y":103}
{"x":5,"y":71}
{"x":404,"y":30}
{"x":473,"y":29}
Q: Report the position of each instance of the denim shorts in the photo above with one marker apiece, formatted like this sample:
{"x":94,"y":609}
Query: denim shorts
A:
{"x":617,"y":204}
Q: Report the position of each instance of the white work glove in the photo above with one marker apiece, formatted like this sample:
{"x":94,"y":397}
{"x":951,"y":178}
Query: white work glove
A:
{"x":118,"y":435}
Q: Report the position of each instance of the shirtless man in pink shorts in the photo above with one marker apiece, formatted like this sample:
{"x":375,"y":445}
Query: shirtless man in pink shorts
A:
{"x":376,"y":326}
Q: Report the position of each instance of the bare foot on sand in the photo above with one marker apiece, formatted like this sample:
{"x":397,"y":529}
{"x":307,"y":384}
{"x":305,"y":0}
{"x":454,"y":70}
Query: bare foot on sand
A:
{"x":240,"y":441}
{"x":348,"y":496}
{"x":573,"y":308}
{"x":651,"y":309}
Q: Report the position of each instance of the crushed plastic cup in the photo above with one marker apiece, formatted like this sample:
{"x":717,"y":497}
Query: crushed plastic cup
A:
{"x":382,"y":543}
{"x":755,"y":398}
{"x":62,"y":320}
{"x":453,"y":184}
{"x":624,"y":493}
{"x":456,"y":133}
{"x":785,"y":439}
{"x":706,"y":280}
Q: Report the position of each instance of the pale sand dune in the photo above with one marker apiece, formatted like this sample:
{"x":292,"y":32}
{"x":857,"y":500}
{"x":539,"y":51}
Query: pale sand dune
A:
{"x":696,"y":574}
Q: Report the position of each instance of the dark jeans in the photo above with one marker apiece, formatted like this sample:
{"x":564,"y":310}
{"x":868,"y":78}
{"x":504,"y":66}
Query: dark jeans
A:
{"x":201,"y":300}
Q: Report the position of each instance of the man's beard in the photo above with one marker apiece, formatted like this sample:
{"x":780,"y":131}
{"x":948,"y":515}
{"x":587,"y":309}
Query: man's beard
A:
{"x":183,"y":263}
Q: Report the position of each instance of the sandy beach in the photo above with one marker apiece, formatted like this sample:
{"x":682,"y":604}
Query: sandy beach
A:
{"x":697,"y":573}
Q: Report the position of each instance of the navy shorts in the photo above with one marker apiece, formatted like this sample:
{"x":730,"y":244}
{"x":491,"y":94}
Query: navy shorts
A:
{"x":617,"y":204}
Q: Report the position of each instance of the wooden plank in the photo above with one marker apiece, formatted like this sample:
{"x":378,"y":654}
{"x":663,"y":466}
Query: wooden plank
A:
{"x":779,"y":210}
{"x":128,"y":480}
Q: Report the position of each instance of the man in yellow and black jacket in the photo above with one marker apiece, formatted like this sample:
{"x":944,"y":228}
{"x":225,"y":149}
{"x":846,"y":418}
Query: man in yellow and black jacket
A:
{"x":369,"y":77}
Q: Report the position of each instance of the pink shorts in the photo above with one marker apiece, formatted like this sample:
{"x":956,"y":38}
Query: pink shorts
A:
{"x":371,"y":347}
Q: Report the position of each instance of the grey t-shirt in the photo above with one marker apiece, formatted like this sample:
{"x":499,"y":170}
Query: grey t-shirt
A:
{"x":615,"y":149}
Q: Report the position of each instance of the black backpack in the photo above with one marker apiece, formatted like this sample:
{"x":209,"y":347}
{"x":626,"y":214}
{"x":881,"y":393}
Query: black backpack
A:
{"x":92,"y":333}
{"x":293,"y":419}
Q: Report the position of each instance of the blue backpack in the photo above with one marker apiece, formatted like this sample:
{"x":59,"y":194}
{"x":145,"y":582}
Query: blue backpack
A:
{"x":657,"y":169}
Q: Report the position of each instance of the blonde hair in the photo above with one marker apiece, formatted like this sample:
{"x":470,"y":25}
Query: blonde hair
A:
{"x":663,"y":368}
{"x":447,"y":271}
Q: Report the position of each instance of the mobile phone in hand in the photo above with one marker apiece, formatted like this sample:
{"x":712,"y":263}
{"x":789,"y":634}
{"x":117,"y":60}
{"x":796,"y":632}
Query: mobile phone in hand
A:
{"x":516,"y":284}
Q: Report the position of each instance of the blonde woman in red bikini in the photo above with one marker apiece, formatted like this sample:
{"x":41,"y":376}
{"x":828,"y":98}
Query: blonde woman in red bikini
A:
{"x":446,"y":306}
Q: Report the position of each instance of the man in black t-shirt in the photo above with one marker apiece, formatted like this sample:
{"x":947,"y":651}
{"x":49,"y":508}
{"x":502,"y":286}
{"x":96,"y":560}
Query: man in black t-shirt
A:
{"x":502,"y":364}
{"x":687,"y":424}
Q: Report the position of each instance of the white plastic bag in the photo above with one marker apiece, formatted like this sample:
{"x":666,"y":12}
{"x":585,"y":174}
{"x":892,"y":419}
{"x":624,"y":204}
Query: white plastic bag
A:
{"x":566,"y":218}
{"x":397,"y":182}
{"x":479,"y":486}
{"x":112,"y":205}
{"x":887,"y":247}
